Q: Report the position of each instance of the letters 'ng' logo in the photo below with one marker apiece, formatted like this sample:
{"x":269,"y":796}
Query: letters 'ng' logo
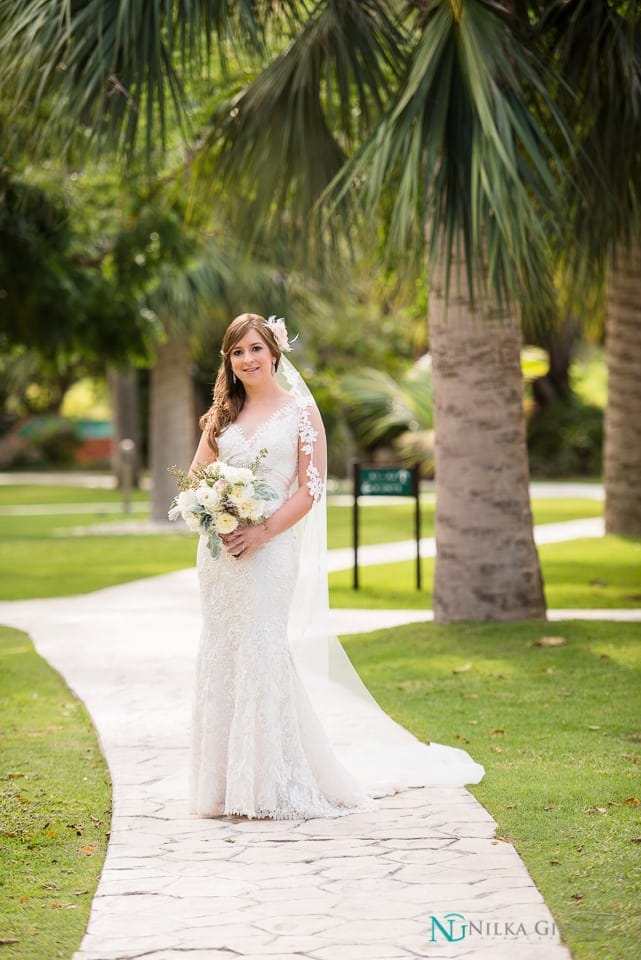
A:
{"x":452,"y":924}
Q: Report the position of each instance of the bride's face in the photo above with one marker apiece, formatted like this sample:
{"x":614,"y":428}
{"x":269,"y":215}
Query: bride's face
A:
{"x":251,"y":359}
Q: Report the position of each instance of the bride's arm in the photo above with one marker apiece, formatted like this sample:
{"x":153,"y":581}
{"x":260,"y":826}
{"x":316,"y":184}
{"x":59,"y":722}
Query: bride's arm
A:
{"x":204,"y":454}
{"x":312,"y":466}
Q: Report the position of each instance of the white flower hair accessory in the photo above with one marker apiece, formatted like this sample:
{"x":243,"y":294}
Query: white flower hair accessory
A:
{"x":278,"y":328}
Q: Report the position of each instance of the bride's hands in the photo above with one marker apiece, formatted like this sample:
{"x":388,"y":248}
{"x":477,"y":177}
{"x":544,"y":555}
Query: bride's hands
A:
{"x":244,"y":540}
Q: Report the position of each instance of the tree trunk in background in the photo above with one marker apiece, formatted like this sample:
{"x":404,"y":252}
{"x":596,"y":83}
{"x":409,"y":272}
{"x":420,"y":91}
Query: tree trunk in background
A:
{"x":487,"y":566}
{"x":622,"y":447}
{"x":559,"y":341}
{"x":123,"y":391}
{"x":172,"y":422}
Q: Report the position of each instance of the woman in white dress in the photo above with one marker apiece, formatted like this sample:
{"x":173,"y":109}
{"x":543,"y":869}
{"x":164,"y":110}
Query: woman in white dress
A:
{"x":282,"y":725}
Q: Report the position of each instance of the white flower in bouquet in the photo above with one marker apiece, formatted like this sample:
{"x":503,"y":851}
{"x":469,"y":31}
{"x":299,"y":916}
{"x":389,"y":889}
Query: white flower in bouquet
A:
{"x":193,"y":523}
{"x":241,"y":493}
{"x":256,"y":511}
{"x":182,"y":504}
{"x":252,"y":510}
{"x":208,"y":497}
{"x":225,"y":523}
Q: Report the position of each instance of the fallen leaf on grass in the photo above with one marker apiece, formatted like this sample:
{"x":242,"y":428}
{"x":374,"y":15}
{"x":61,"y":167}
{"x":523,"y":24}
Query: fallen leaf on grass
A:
{"x":550,"y":642}
{"x":409,"y":686}
{"x":495,"y":733}
{"x":593,"y":726}
{"x":15,"y":776}
{"x":7,"y":943}
{"x":598,"y":582}
{"x":463,"y":669}
{"x":635,"y":839}
{"x":631,"y":802}
{"x":596,"y":810}
{"x":88,"y":849}
{"x":555,"y":863}
{"x":497,"y":749}
{"x":577,"y":896}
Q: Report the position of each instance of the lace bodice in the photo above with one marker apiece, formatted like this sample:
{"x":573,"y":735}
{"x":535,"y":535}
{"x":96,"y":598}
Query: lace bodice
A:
{"x":284,"y":436}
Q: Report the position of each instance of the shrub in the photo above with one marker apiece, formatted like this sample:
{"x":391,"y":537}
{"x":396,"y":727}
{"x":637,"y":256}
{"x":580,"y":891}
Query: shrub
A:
{"x":566,"y":439}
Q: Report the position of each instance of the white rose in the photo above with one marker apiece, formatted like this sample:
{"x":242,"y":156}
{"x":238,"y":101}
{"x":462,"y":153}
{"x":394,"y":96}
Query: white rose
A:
{"x":241,"y":493}
{"x":244,"y":475}
{"x":256,"y":510}
{"x":193,"y":523}
{"x":229,"y":473}
{"x":186,"y":499}
{"x":208,"y":497}
{"x":245,"y":509}
{"x":225,"y":523}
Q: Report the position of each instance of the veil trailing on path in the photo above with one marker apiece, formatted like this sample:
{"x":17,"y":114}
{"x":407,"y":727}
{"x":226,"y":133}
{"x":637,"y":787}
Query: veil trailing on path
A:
{"x":382,"y":755}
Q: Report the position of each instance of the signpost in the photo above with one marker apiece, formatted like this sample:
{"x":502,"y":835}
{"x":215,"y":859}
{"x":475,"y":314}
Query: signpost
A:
{"x":387,"y":482}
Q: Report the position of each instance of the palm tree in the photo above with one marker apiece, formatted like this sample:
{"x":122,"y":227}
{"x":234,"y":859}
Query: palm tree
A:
{"x":437,"y":114}
{"x":596,"y":47}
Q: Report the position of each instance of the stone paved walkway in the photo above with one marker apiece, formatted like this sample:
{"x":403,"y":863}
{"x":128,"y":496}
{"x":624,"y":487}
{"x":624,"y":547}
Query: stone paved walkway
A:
{"x":375,"y":885}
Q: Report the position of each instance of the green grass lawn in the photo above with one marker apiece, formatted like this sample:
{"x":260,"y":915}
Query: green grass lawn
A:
{"x":17,"y":494}
{"x":603,"y":572}
{"x":558,"y":730}
{"x":41,"y":554}
{"x":55,"y":807}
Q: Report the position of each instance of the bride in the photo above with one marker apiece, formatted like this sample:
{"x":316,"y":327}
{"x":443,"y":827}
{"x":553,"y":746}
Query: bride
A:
{"x":282,"y":726}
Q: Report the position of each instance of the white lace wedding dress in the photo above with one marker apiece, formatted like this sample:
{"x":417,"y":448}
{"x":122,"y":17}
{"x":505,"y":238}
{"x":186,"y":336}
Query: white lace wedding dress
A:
{"x":269,"y":737}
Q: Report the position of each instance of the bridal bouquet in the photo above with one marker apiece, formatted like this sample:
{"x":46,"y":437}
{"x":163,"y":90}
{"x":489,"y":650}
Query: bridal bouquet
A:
{"x":219,"y":498}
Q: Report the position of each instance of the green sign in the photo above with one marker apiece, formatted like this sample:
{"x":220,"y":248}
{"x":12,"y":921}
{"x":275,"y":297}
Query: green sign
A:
{"x":385,"y":482}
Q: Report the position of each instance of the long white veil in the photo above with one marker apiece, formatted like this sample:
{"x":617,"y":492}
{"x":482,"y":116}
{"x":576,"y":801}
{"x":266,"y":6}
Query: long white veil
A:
{"x":382,"y":755}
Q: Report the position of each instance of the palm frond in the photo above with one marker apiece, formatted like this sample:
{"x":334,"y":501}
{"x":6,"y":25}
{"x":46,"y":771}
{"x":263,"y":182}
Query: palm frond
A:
{"x":284,"y":138}
{"x":462,"y":155}
{"x":596,"y":47}
{"x":118,"y":66}
{"x":381,"y":407}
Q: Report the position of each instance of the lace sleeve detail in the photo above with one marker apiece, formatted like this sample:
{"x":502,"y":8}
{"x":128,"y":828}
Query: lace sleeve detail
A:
{"x":312,"y":445}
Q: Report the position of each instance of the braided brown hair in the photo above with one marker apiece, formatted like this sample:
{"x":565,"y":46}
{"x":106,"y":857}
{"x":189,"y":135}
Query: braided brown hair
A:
{"x":229,"y":397}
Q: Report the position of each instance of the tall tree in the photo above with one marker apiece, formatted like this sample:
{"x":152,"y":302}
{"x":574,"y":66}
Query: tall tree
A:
{"x":439,"y":109}
{"x":596,"y":47}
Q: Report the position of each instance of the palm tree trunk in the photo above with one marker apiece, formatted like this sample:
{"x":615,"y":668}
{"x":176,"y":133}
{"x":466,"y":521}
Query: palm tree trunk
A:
{"x":172,"y":426}
{"x":487,"y":566}
{"x":622,"y":448}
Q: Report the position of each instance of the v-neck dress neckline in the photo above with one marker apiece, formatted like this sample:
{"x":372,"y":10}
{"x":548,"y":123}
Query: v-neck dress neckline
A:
{"x":263,"y":423}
